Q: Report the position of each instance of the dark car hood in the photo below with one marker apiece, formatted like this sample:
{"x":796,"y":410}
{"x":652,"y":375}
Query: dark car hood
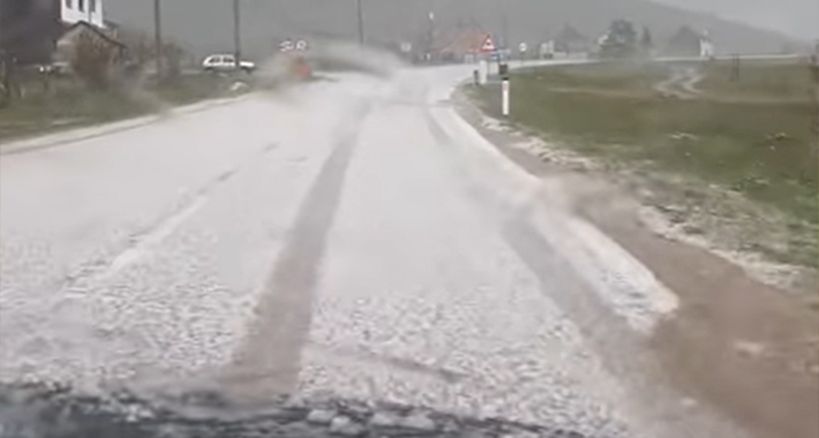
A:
{"x":53,"y":411}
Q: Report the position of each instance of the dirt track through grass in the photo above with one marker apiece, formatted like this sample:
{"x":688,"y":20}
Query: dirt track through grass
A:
{"x":681,"y":84}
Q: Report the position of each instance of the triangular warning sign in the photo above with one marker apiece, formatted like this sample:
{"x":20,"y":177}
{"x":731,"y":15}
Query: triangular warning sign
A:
{"x":488,"y":45}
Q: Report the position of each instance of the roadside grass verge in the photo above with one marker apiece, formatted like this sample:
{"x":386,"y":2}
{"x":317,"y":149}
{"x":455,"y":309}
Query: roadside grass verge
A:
{"x":71,"y":105}
{"x":615,"y":77}
{"x":756,"y":137}
{"x":771,"y":80}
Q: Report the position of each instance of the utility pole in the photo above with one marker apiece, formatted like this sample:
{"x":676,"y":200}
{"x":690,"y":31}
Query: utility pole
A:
{"x":237,"y":35}
{"x":8,"y":84}
{"x":431,"y":31}
{"x":158,"y":37}
{"x":505,"y":29}
{"x":4,"y":83}
{"x":360,"y":12}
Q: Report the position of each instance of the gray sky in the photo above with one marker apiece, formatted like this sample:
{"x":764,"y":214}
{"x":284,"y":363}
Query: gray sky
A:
{"x":203,"y":26}
{"x":799,"y":18}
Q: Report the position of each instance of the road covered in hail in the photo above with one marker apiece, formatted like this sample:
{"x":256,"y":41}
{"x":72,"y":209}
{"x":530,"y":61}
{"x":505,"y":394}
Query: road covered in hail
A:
{"x":352,"y":236}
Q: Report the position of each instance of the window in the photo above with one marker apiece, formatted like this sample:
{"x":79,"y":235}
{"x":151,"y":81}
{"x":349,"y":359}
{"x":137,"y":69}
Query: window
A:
{"x":81,"y":5}
{"x":69,"y":4}
{"x":92,"y":5}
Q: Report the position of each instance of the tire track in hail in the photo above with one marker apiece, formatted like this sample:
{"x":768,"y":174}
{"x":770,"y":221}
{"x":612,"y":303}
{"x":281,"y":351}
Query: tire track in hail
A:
{"x":268,"y":360}
{"x":652,"y":403}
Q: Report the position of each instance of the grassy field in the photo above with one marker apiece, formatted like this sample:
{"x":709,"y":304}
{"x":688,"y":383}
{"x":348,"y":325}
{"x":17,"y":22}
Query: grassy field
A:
{"x":756,"y":136}
{"x":71,"y":105}
{"x":774,"y":80}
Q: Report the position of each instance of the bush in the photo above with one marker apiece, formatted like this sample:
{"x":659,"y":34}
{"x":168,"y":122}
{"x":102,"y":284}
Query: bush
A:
{"x":93,"y":60}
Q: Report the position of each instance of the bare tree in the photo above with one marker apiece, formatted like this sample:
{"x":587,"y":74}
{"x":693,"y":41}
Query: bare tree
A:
{"x":9,"y":87}
{"x":93,"y":60}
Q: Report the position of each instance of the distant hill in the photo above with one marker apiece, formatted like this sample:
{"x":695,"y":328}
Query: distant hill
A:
{"x":204,"y":26}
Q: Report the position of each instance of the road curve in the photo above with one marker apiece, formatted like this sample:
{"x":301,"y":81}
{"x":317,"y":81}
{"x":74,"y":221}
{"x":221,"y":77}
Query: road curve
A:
{"x":352,"y":235}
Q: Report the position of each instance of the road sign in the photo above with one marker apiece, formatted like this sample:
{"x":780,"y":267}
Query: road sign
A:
{"x":301,"y":45}
{"x":488,"y":45}
{"x":523,"y":47}
{"x":286,"y":46}
{"x":406,"y":47}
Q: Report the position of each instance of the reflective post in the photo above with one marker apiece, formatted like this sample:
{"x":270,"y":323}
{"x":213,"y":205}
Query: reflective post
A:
{"x":505,"y":97}
{"x":505,"y":88}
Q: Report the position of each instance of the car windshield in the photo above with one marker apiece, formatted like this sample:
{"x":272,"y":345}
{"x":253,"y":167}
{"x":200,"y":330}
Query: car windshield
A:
{"x":244,"y":218}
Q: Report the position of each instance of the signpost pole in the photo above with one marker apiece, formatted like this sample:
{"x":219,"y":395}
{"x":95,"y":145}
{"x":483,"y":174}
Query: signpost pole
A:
{"x":488,"y":48}
{"x":522,"y":48}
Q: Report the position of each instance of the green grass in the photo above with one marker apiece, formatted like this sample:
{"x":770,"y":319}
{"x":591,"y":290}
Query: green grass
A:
{"x":756,"y":136}
{"x":71,"y":105}
{"x":615,"y":76}
{"x":773,"y":80}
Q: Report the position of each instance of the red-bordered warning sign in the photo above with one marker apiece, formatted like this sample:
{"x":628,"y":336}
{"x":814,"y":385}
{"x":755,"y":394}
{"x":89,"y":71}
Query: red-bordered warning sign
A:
{"x":488,"y":45}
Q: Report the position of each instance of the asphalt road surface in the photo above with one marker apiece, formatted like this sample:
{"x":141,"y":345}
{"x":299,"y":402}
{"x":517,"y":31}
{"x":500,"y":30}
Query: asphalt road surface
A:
{"x":352,"y":236}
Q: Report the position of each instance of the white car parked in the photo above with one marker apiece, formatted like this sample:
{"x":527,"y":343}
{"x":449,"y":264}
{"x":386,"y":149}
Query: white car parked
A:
{"x":221,"y":63}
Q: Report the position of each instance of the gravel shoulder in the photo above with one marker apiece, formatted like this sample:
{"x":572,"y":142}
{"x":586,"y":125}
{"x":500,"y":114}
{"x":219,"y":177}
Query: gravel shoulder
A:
{"x":736,"y":344}
{"x":733,"y":168}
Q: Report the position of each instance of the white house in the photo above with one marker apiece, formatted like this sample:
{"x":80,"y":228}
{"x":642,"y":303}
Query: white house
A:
{"x":547,"y":49}
{"x":707,"y":50}
{"x":84,"y":18}
{"x":74,"y":11}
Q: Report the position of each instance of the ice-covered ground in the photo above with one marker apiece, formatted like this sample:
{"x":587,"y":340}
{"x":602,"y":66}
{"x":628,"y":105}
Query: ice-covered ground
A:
{"x":352,"y":235}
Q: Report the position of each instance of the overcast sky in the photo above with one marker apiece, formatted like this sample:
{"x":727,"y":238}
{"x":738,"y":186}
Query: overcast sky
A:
{"x":799,"y":18}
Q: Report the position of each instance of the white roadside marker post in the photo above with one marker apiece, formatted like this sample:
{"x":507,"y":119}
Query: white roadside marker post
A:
{"x":505,"y":98}
{"x":505,"y":88}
